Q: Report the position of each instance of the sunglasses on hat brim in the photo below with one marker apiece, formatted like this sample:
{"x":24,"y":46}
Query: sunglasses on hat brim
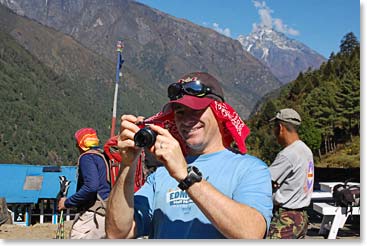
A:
{"x":193,"y":88}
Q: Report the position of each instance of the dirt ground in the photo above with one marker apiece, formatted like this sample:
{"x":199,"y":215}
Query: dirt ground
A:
{"x":351,"y":230}
{"x":37,"y":231}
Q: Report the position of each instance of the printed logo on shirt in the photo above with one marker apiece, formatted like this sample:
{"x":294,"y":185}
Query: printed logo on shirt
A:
{"x":178,"y":198}
{"x":310,"y":174}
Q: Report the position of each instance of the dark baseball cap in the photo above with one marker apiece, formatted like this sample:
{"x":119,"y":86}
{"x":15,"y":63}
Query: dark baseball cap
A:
{"x":198,"y":102}
{"x":288,"y":115}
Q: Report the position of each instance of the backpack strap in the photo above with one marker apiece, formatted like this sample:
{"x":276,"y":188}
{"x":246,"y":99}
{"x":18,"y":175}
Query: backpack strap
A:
{"x":99,"y":153}
{"x":99,"y":208}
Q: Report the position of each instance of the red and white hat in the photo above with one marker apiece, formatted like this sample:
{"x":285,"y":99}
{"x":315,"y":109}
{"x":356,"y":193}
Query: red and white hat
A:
{"x":198,"y":103}
{"x":234,"y":127}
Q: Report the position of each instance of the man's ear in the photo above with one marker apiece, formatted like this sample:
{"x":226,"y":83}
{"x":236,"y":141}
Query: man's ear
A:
{"x":281,"y":127}
{"x":282,"y":130}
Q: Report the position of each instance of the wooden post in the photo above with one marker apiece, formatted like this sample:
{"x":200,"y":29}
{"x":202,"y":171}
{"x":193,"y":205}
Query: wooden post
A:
{"x":42,"y":211}
{"x":68,"y":214}
{"x":27,"y":216}
{"x":54,"y":216}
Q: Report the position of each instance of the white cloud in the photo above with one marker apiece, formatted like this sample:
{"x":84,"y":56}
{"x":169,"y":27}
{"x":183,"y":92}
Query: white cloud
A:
{"x":224,"y":31}
{"x":281,"y":27}
{"x":265,"y":13}
{"x":259,"y":4}
{"x":293,"y":32}
{"x":268,"y":21}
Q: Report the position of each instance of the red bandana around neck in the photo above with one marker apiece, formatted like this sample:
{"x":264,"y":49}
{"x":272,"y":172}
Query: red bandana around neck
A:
{"x":234,"y":127}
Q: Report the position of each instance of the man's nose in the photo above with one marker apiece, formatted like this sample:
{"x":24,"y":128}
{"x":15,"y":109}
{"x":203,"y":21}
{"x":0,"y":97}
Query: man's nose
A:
{"x":190,"y":120}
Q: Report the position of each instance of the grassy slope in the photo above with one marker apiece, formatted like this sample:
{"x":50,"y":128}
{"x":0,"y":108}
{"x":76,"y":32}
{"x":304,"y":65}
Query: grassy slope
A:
{"x":345,"y":157}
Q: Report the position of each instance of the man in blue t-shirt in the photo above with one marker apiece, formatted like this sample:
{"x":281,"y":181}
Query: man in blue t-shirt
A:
{"x":204,"y":189}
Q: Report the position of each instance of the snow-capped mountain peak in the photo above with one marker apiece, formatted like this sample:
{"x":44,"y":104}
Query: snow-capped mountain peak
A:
{"x":284,"y":56}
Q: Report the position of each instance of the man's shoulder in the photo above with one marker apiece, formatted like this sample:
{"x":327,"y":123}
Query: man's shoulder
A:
{"x":92,"y":155}
{"x":246,"y":159}
{"x":293,"y":152}
{"x":297,"y":145}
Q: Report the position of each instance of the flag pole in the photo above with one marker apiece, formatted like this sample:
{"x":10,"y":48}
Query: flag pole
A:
{"x":115,"y":167}
{"x":120,"y":60}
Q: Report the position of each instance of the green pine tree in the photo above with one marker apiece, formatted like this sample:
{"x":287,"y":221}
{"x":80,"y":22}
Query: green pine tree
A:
{"x":348,"y":43}
{"x":348,"y":99}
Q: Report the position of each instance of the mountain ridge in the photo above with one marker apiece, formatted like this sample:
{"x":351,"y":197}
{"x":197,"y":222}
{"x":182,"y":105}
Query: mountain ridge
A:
{"x":285,"y":57}
{"x":158,"y":47}
{"x":45,"y":101}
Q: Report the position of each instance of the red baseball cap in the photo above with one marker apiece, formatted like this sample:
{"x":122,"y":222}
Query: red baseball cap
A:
{"x":194,"y":102}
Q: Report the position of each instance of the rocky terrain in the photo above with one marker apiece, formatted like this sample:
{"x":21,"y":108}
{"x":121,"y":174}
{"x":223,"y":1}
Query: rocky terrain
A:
{"x":37,"y":231}
{"x":285,"y":57}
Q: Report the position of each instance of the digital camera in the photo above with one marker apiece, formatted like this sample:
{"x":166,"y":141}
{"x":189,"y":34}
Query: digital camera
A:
{"x":146,"y":137}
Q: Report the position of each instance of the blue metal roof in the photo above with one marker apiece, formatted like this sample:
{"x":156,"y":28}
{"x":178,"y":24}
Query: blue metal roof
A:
{"x":13,"y":178}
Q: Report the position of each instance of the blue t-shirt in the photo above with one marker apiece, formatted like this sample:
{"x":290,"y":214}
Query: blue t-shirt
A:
{"x":162,"y":210}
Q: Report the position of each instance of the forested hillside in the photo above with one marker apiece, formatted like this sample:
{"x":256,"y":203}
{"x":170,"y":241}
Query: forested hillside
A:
{"x":328,"y":101}
{"x":37,"y":118}
{"x":159,"y":48}
{"x":51,"y":86}
{"x":41,"y":109}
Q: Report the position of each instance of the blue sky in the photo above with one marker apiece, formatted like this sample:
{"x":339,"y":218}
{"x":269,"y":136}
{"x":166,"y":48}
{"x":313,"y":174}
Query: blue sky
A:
{"x":320,"y":24}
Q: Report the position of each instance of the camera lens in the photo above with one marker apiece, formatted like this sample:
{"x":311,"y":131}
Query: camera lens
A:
{"x":145,"y":137}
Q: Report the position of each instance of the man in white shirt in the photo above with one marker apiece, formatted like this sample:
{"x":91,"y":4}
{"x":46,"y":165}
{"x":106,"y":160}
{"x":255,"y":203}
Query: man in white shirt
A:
{"x":292,"y":174}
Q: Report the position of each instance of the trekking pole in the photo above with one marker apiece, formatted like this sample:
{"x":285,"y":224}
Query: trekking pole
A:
{"x":62,"y":230}
{"x":60,"y":227}
{"x":64,"y":187}
{"x":120,"y":60}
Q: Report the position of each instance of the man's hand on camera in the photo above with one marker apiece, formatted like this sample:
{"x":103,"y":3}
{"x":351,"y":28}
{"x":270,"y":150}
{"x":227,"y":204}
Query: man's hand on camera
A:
{"x":167,"y":150}
{"x":128,"y":128}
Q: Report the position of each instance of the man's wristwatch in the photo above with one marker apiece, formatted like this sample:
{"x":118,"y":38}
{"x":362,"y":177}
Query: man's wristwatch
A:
{"x":193,"y":176}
